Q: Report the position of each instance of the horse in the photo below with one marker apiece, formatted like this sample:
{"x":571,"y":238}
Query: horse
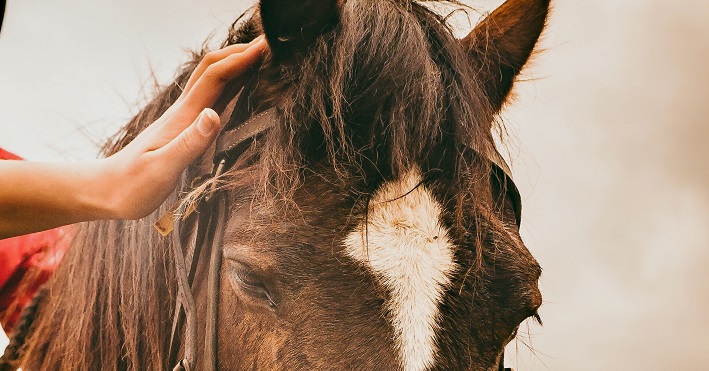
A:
{"x":371,"y":226}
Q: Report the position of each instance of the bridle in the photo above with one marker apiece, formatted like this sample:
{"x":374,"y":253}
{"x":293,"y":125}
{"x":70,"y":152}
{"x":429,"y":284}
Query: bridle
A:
{"x":238,"y":134}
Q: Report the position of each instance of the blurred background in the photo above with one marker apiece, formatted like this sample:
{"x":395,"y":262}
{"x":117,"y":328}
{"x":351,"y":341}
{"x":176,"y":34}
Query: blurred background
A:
{"x":609,"y":137}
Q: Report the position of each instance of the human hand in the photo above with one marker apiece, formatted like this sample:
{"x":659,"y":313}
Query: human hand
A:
{"x":35,"y":196}
{"x":137,"y":179}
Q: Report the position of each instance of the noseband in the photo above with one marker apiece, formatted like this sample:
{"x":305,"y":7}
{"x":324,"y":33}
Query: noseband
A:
{"x":241,"y":130}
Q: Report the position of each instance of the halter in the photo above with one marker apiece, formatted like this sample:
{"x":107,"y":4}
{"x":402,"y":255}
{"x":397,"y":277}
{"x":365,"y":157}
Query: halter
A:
{"x":238,"y":134}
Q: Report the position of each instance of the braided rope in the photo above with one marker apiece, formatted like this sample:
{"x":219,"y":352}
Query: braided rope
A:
{"x":8,"y":362}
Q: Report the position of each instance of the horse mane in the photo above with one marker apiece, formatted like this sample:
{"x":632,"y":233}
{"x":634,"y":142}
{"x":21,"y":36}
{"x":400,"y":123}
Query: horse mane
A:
{"x":395,"y":91}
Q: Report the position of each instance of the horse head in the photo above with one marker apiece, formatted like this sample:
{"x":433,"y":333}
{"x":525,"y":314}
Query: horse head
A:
{"x":397,"y":244}
{"x":373,"y":227}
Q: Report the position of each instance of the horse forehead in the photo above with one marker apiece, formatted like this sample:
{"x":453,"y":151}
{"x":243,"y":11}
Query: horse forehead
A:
{"x":404,"y":244}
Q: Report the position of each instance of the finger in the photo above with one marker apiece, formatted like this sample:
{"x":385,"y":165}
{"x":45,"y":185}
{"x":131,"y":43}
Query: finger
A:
{"x":209,"y":86}
{"x":183,"y":111}
{"x":192,"y":142}
{"x":214,"y":57}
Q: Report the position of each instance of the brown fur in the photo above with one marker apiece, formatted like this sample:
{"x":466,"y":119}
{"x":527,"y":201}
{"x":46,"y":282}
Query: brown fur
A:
{"x":367,"y":91}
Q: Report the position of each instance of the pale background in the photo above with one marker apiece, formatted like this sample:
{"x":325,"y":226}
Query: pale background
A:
{"x":610,"y":138}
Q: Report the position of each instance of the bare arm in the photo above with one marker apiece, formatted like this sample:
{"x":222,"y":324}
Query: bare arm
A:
{"x":37,"y":196}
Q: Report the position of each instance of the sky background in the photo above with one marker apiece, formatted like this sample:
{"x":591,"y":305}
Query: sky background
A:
{"x":609,"y":142}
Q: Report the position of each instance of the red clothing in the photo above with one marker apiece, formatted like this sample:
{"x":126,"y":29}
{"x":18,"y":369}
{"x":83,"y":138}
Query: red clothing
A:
{"x":5,"y":155}
{"x":26,"y":263}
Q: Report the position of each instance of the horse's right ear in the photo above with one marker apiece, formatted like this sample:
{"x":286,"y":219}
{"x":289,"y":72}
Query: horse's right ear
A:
{"x":500,"y":46}
{"x":291,"y":26}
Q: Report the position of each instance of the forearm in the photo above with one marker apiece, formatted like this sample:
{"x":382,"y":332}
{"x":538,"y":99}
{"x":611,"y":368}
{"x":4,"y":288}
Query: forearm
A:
{"x":36,"y":196}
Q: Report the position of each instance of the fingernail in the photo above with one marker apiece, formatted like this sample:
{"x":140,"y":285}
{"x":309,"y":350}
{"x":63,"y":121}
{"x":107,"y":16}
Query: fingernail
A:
{"x":206,"y":122}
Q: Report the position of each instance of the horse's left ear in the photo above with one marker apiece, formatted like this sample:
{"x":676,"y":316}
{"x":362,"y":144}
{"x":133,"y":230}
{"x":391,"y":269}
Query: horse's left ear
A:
{"x":500,"y":45}
{"x":291,"y":26}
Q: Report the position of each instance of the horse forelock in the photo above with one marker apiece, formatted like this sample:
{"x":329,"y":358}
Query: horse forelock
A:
{"x":390,"y":88}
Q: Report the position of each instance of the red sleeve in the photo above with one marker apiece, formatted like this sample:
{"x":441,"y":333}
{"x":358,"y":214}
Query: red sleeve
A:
{"x":5,"y":155}
{"x":26,"y":263}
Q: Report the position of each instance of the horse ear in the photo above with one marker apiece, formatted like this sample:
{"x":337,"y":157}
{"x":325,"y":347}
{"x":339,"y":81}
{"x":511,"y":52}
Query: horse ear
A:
{"x":292,"y":25}
{"x":502,"y":43}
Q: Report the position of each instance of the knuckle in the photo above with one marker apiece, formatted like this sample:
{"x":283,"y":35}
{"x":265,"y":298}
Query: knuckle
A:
{"x":183,"y":144}
{"x":210,"y":58}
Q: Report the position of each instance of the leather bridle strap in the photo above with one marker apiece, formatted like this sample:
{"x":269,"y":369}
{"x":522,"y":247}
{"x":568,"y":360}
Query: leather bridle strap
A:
{"x":217,"y":227}
{"x":178,"y":319}
{"x":185,"y":300}
{"x":212,"y":222}
{"x":213,"y":214}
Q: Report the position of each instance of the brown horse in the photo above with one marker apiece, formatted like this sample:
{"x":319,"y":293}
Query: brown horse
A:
{"x":372,"y":228}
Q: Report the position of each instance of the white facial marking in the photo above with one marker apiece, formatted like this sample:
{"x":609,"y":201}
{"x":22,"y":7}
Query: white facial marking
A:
{"x":408,"y":249}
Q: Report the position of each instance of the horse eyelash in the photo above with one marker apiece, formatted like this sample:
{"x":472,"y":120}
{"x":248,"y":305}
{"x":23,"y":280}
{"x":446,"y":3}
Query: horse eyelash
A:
{"x":258,"y":287}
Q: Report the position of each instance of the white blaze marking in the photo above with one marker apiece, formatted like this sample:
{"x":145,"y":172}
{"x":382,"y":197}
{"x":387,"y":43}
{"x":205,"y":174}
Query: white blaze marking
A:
{"x":409,"y":250}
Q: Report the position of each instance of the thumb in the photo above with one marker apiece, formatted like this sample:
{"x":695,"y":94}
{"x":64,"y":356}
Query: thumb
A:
{"x":195,"y":139}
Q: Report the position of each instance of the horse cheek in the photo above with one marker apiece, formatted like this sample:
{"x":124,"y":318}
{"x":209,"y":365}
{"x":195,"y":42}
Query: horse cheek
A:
{"x":244,"y":337}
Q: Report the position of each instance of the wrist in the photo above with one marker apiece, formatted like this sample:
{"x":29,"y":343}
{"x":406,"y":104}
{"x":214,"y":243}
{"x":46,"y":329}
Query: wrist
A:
{"x":99,"y":198}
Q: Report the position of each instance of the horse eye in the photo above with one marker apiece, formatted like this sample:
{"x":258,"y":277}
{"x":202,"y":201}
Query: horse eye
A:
{"x":251,"y":283}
